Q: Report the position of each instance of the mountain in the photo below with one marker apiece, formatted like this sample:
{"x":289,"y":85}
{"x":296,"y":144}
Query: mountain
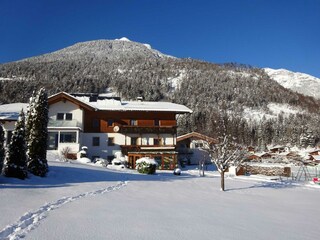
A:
{"x":299,"y":82}
{"x":232,"y":98}
{"x":100,"y":49}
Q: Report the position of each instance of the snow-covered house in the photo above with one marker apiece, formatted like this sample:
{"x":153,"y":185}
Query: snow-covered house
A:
{"x":190,"y":147}
{"x":314,"y":152}
{"x":259,"y":156}
{"x":107,"y":125}
{"x":9,"y":114}
{"x":315,"y":158}
{"x":278,"y":149}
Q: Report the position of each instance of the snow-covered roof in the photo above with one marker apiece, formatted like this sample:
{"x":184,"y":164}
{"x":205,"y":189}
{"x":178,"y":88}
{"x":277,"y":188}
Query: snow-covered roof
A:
{"x":197,"y":135}
{"x":118,"y":105}
{"x":11,"y":111}
{"x":285,"y":153}
{"x":276,"y":147}
{"x":313,"y":150}
{"x":316,"y":157}
{"x":261,"y":154}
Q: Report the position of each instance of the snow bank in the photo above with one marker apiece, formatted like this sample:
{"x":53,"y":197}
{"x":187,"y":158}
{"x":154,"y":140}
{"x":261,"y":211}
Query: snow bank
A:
{"x":83,"y":160}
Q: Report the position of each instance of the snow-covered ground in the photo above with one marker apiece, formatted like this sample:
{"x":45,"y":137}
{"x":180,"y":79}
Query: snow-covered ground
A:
{"x":77,"y":201}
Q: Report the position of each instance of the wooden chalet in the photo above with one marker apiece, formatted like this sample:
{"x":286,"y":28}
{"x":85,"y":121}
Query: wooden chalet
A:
{"x":107,"y":125}
{"x":189,"y":147}
{"x":259,"y":156}
{"x":251,"y":149}
{"x":277,"y":149}
{"x":315,"y":158}
{"x":314,"y":152}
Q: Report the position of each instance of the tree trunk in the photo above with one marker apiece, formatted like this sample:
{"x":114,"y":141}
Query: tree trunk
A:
{"x":222,"y":180}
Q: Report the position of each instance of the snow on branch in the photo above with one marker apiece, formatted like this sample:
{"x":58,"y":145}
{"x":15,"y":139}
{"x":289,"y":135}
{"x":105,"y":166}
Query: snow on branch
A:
{"x":225,"y":154}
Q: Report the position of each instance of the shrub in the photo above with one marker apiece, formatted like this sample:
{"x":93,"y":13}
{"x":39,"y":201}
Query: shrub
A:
{"x":146,"y":165}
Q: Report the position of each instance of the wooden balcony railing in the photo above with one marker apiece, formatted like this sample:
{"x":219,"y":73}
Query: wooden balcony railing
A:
{"x":146,"y":148}
{"x":146,"y":129}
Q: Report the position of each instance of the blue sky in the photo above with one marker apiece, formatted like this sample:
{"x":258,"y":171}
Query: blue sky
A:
{"x":262,"y":33}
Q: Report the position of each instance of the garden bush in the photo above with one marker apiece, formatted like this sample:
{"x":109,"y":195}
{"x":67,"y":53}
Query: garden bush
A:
{"x":146,"y":165}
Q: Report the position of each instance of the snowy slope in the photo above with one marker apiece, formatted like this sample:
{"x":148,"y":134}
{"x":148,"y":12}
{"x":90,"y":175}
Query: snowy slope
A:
{"x":86,"y":202}
{"x":299,"y":82}
{"x":274,"y":109}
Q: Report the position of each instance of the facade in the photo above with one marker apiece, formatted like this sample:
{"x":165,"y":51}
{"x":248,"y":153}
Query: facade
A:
{"x":106,"y":125}
{"x":9,"y":114}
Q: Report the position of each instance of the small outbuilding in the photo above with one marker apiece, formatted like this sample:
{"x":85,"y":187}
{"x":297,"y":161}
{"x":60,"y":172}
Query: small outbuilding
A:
{"x":190,"y":148}
{"x":259,"y":156}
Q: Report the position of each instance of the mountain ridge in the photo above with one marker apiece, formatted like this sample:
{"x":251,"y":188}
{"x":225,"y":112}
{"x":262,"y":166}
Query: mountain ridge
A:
{"x":300,"y":82}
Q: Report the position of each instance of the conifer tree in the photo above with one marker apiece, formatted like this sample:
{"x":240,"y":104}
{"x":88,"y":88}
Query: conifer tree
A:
{"x":37,"y":134}
{"x":2,"y":152}
{"x":16,"y":159}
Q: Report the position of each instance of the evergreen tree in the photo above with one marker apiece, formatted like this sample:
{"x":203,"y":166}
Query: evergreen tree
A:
{"x":16,"y":160}
{"x":2,"y":152}
{"x":29,"y":118}
{"x":37,"y":134}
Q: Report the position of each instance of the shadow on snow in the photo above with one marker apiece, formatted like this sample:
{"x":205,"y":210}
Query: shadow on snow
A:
{"x":64,"y":176}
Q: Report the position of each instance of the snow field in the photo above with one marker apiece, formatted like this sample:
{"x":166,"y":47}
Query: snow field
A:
{"x":31,"y":220}
{"x":161,"y":206}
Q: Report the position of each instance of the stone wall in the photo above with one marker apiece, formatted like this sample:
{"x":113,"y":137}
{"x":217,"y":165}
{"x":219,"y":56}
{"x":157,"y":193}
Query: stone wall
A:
{"x":268,"y":171}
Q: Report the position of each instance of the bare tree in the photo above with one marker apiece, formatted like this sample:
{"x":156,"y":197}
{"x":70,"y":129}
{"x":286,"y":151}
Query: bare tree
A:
{"x":65,"y":153}
{"x":224,"y":155}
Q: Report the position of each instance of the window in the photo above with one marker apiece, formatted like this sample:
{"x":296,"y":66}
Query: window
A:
{"x":64,"y":116}
{"x":157,"y":122}
{"x":110,"y":141}
{"x":145,"y":141}
{"x":110,"y":122}
{"x":68,"y":116}
{"x":60,"y":116}
{"x":95,"y":123}
{"x":68,"y":137}
{"x":134,"y":141}
{"x":95,"y":141}
{"x":157,"y":141}
{"x":199,"y":145}
{"x":133,"y":122}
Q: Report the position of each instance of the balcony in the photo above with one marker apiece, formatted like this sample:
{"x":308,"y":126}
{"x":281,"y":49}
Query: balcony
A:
{"x":63,"y":124}
{"x":147,"y":148}
{"x":148,"y":129}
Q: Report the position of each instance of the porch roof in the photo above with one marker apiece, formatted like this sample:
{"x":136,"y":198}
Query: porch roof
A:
{"x":11,"y":111}
{"x":197,"y":135}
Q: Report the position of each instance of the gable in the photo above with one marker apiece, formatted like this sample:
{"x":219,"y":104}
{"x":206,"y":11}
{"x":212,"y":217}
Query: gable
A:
{"x":64,"y":97}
